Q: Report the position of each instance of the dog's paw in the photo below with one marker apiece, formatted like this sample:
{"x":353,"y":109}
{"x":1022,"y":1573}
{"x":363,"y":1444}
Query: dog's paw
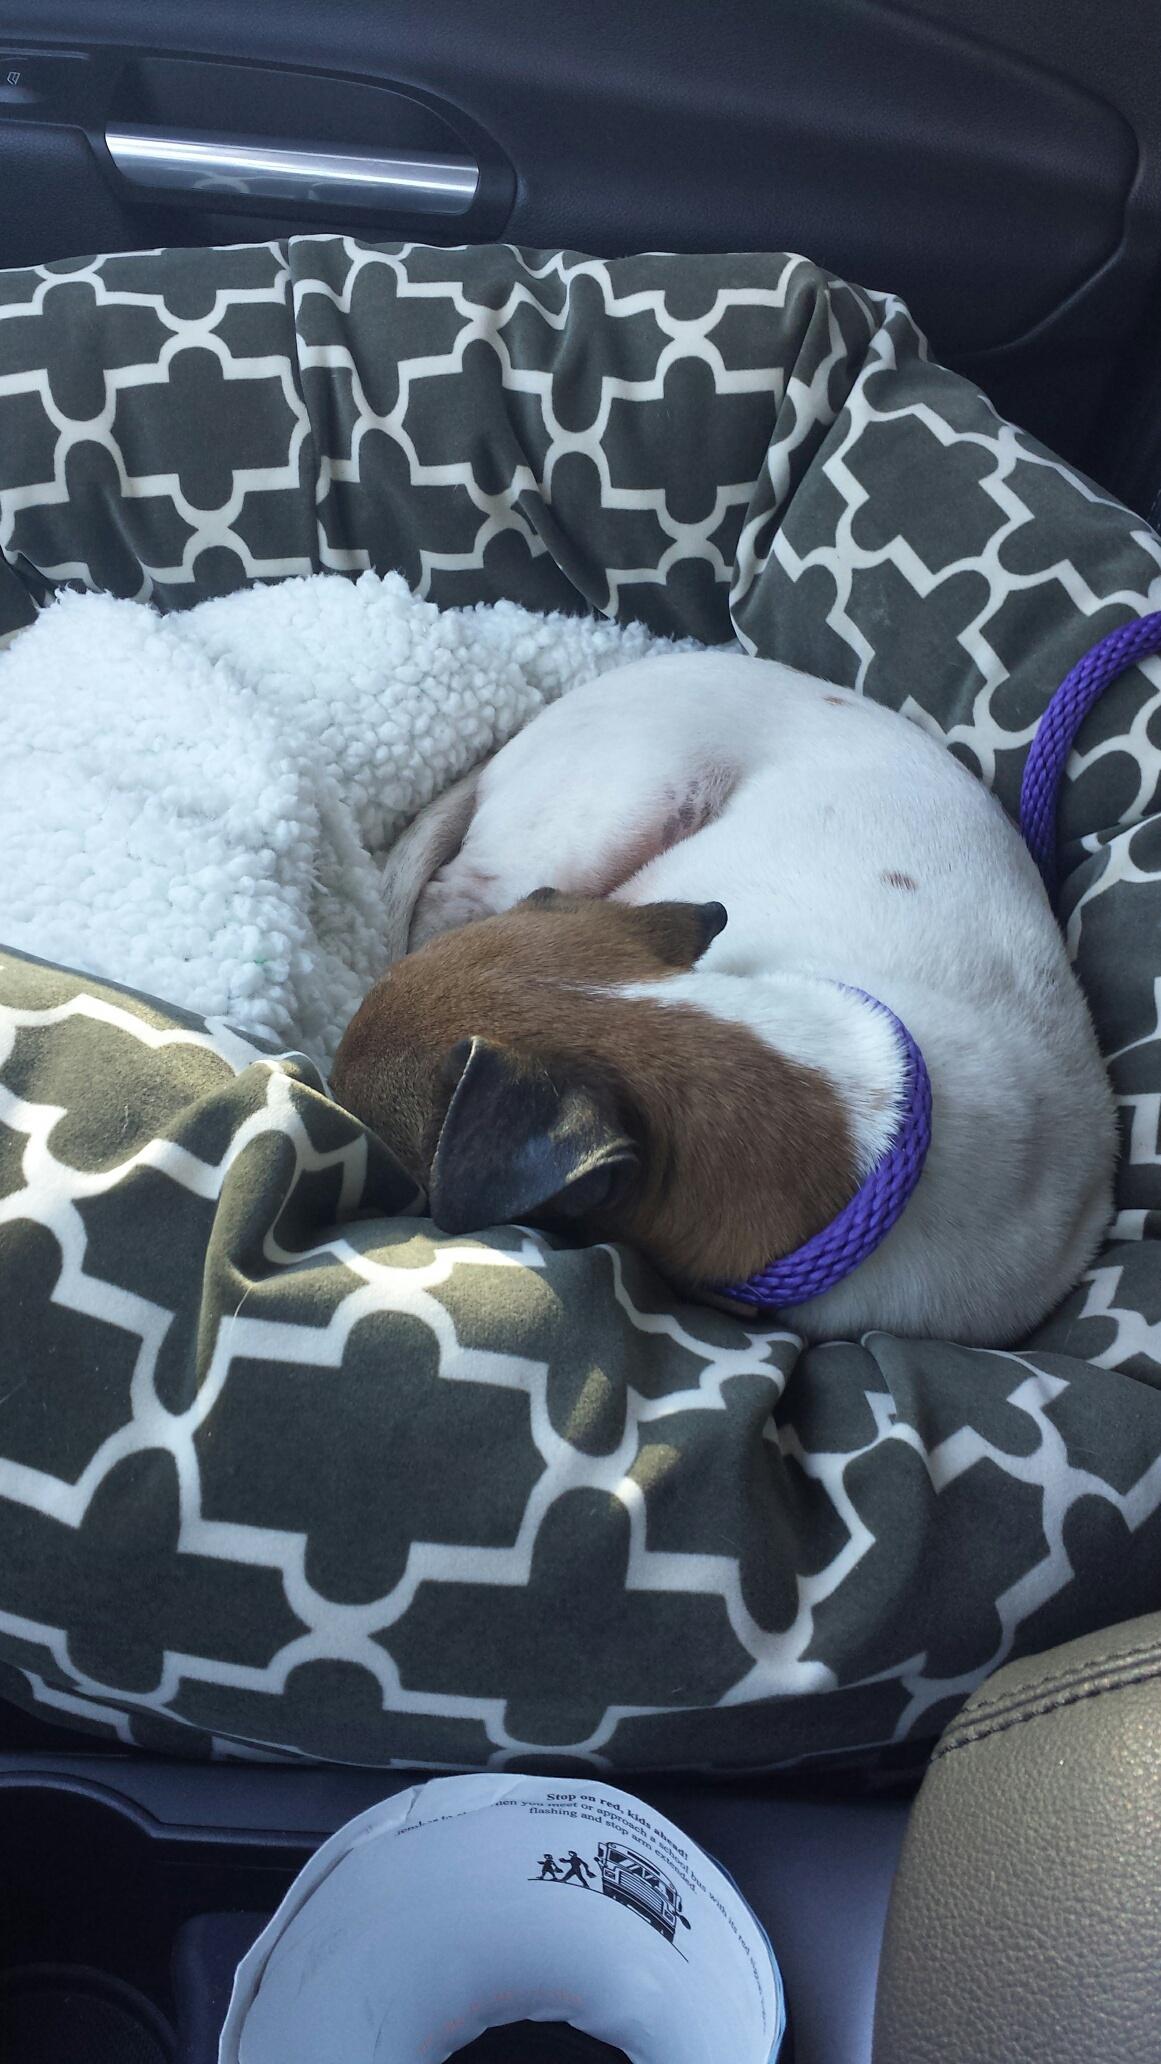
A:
{"x":465,"y":895}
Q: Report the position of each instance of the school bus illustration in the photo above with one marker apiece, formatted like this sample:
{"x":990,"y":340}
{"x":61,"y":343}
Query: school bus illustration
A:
{"x":633,"y":1881}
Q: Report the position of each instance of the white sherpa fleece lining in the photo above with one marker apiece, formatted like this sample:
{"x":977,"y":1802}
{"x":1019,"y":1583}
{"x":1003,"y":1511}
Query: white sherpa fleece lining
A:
{"x":198,"y":805}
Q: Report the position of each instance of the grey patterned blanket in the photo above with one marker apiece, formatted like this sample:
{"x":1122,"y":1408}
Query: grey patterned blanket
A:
{"x":278,"y":1469}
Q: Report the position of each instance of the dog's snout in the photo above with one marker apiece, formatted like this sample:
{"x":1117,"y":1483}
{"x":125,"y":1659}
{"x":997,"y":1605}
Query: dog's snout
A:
{"x":714,"y":918}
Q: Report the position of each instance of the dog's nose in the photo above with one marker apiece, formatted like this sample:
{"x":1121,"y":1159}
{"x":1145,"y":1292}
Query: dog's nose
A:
{"x":714,"y":919}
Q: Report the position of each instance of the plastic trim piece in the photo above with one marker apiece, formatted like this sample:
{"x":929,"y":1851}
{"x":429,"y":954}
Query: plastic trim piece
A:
{"x":212,"y":166}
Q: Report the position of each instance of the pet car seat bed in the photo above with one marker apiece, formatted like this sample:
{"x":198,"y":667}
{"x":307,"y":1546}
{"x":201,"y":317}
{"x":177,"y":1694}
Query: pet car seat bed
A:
{"x":282,"y":1470}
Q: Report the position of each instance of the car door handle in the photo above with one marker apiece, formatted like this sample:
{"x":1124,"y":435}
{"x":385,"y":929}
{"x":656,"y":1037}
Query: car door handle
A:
{"x":404,"y":181}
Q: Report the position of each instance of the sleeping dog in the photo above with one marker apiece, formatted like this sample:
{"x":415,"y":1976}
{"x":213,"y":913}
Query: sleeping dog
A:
{"x":640,"y":957}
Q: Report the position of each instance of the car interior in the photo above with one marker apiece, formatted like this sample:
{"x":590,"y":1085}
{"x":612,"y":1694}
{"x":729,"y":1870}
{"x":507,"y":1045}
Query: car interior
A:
{"x":997,"y":165}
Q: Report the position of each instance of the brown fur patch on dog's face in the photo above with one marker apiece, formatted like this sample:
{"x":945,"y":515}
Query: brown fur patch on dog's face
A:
{"x":742,"y":1153}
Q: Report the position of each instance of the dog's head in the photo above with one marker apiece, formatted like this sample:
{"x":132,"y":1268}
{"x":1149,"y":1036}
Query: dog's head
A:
{"x":521,"y":1070}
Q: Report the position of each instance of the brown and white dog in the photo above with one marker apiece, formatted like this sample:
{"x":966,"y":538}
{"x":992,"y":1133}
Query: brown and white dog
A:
{"x":628,"y":1009}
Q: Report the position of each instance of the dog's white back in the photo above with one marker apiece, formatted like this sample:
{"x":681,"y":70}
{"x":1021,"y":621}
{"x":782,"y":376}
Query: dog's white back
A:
{"x":848,"y":847}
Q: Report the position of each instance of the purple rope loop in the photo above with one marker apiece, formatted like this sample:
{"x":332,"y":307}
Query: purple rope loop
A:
{"x":824,"y":1260}
{"x":1057,"y":729}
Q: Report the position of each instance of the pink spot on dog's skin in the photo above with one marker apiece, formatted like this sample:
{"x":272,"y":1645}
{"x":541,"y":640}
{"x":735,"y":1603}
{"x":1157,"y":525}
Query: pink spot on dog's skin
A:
{"x":685,"y":812}
{"x":894,"y":880}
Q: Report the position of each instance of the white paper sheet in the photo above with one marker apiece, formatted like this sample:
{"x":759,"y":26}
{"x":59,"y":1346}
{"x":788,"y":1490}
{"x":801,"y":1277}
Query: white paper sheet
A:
{"x":470,"y":1902}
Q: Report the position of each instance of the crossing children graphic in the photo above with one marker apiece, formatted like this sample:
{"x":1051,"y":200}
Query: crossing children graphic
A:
{"x":624,"y":1875}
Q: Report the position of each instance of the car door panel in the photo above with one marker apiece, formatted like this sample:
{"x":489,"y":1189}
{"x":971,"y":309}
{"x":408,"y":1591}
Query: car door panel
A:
{"x":1000,"y":167}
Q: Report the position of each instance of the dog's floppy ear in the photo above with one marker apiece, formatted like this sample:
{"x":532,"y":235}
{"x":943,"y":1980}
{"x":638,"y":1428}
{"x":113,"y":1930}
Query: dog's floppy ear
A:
{"x":515,"y":1140}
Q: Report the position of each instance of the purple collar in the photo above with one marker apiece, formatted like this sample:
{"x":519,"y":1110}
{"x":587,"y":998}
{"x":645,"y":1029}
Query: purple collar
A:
{"x":825,"y":1259}
{"x":1055,"y":733}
